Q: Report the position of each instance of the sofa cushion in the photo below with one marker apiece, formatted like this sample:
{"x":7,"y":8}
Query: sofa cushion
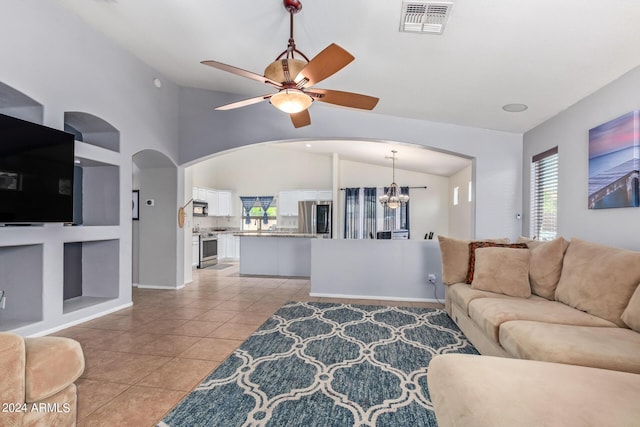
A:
{"x":12,"y":360}
{"x":473,"y":246}
{"x":631,"y":314}
{"x":483,"y":391}
{"x":598,"y":347}
{"x":503,"y":271}
{"x":455,"y":258}
{"x":462,"y":294}
{"x":545,"y":265}
{"x":52,"y":364}
{"x":598,"y":279}
{"x":490,"y":313}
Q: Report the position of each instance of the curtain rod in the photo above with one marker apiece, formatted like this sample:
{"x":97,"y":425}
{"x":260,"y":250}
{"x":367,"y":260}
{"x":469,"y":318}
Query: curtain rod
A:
{"x":342,"y":189}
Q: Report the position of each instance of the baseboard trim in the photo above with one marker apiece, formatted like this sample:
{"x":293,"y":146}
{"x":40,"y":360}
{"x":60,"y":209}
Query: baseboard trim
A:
{"x":82,"y":320}
{"x":374,"y":297}
{"x":160,"y":287}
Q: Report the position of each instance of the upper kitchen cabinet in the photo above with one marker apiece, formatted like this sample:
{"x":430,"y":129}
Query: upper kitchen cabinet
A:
{"x":219,"y":201}
{"x":224,"y":203}
{"x":213,"y":202}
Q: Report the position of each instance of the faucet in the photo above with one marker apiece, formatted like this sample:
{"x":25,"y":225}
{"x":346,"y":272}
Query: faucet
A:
{"x":259,"y":224}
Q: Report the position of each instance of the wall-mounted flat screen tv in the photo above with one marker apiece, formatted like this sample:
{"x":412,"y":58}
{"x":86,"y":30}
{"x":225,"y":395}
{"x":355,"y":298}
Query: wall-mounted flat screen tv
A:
{"x":36,"y":173}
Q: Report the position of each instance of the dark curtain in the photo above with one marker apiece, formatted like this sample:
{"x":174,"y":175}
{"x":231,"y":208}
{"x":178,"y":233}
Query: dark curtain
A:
{"x":404,"y":212}
{"x":388,"y":215}
{"x":351,"y":213}
{"x":370,"y":203}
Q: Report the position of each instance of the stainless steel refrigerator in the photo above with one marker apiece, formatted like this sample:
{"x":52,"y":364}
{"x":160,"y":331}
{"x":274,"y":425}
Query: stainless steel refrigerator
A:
{"x":314,"y":217}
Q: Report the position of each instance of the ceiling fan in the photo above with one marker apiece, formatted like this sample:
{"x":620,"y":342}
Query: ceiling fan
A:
{"x":294,"y":79}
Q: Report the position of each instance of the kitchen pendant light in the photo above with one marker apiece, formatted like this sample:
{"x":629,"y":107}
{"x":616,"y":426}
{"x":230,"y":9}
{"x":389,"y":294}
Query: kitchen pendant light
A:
{"x":393,"y":199}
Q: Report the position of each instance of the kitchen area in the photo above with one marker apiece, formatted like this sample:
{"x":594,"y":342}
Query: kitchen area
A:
{"x":262,"y":208}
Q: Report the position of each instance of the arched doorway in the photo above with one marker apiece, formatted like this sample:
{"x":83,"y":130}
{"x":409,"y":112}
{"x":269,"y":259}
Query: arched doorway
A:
{"x":155,"y":176}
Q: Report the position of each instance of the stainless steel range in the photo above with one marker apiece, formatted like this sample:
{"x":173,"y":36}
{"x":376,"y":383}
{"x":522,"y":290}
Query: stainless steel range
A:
{"x":208,"y":250}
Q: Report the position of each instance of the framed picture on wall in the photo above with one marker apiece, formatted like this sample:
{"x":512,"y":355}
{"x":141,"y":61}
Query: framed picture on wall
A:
{"x":135,"y":204}
{"x":614,"y":163}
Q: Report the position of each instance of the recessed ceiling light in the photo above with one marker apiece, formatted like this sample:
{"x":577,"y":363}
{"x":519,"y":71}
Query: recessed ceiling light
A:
{"x":515,"y":108}
{"x":307,"y":145}
{"x":157,"y":83}
{"x":77,"y":162}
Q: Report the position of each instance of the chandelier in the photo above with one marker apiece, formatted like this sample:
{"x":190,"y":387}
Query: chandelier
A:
{"x":393,"y":199}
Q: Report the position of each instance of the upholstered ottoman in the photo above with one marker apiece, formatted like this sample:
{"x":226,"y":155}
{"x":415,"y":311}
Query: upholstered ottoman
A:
{"x":484,"y":391}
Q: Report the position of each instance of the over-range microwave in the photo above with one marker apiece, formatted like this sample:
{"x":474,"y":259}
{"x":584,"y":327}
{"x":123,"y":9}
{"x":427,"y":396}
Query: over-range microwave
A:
{"x":200,"y":208}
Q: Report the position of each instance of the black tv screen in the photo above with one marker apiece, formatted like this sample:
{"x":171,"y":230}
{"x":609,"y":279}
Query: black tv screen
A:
{"x":36,"y":173}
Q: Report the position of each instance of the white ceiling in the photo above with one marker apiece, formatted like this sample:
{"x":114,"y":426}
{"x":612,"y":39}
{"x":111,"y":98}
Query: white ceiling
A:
{"x":546,"y":54}
{"x":408,"y":157}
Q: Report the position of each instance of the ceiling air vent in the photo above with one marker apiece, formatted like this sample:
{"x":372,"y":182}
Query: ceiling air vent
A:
{"x":424,"y":17}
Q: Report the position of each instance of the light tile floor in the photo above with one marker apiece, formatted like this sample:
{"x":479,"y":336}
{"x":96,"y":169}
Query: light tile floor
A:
{"x":141,"y":361}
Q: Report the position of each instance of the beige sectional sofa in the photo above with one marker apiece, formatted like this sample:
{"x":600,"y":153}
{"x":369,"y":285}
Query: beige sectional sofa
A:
{"x":37,"y":380}
{"x":554,"y":304}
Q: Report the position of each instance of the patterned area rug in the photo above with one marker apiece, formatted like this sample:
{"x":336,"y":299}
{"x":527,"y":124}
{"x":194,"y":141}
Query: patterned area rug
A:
{"x":323,"y":364}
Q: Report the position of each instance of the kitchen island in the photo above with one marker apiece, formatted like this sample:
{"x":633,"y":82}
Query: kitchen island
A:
{"x":275,"y":254}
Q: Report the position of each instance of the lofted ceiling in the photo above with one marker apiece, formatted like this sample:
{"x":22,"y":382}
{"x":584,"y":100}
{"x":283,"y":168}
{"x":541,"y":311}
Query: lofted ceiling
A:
{"x":542,"y":53}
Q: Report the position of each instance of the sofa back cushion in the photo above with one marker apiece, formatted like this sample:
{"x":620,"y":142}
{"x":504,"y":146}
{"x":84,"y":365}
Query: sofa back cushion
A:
{"x":503,"y":271}
{"x":545,"y":265}
{"x":631,"y":314}
{"x":455,"y":258}
{"x":473,"y":246}
{"x":598,"y":279}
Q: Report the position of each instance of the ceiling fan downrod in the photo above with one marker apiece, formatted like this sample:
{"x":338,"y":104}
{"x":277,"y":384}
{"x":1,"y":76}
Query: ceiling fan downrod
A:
{"x":293,"y":7}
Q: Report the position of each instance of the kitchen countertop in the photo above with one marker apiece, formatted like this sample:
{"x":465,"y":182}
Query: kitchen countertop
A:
{"x":275,"y":234}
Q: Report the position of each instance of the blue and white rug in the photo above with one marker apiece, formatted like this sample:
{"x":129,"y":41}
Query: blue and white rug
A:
{"x":323,"y":364}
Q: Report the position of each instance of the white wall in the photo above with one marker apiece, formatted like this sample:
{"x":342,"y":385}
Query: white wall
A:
{"x":461,"y":215}
{"x":498,"y":155}
{"x":569,"y":130}
{"x":52,"y":56}
{"x":428,"y":207}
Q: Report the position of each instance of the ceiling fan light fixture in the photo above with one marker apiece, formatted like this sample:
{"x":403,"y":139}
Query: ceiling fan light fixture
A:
{"x":291,"y":101}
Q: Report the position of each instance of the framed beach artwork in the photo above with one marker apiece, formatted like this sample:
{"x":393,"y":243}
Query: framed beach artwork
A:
{"x":614,"y":163}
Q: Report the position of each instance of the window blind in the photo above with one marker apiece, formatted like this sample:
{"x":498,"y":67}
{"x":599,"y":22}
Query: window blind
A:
{"x":544,"y":195}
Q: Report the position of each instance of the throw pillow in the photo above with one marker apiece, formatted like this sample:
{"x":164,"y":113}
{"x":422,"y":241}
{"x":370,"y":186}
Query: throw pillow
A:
{"x":475,"y":245}
{"x":545,"y":265}
{"x":502,"y":270}
{"x":455,"y":258}
{"x":598,"y":279}
{"x":631,"y":314}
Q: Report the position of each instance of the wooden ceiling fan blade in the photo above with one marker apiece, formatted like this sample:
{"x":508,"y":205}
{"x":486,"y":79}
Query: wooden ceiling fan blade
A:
{"x":242,"y":73}
{"x":243,"y":103}
{"x":344,"y":99}
{"x":300,"y":119}
{"x":328,"y":62}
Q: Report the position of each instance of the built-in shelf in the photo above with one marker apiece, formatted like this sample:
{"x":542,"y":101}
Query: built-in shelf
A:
{"x":21,"y":278}
{"x":16,"y":104}
{"x":91,"y":273}
{"x":53,"y":274}
{"x":92,"y":130}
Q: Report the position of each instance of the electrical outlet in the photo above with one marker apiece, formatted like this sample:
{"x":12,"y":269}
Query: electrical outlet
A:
{"x":432,"y":278}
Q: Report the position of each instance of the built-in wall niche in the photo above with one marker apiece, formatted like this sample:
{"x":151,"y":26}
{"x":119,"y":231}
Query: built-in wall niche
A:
{"x":21,"y":280}
{"x":91,"y":273}
{"x":96,"y":193}
{"x":16,"y":104}
{"x":92,"y":130}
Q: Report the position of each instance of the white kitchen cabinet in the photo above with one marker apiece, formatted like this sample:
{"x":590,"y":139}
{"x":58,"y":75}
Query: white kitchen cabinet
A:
{"x":286,"y":205}
{"x":194,"y":193}
{"x":237,"y":247}
{"x":231,"y":246}
{"x":212,"y":201}
{"x":224,"y":203}
{"x":309,"y":195}
{"x":195,"y":258}
{"x":325,"y":195}
{"x":222,"y":247}
{"x":202,"y":194}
